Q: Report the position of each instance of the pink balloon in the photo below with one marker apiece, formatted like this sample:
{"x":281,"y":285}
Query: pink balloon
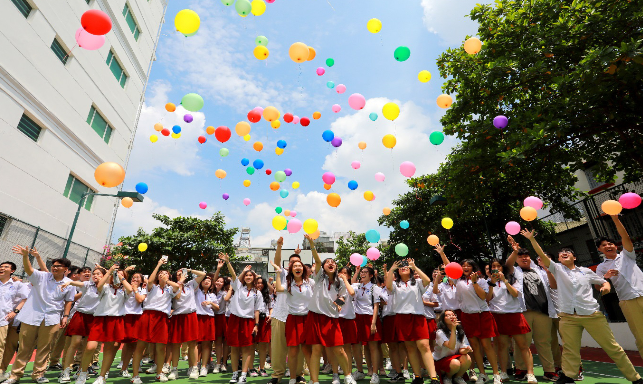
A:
{"x":259,"y":109}
{"x":512,"y":228}
{"x":270,"y":1}
{"x":203,"y":205}
{"x":293,"y":213}
{"x":373,"y":253}
{"x":373,"y":197}
{"x":294,"y":226}
{"x":630,"y":200}
{"x":356,"y":101}
{"x":295,"y":119}
{"x":246,"y":201}
{"x":337,"y":108}
{"x":88,"y":41}
{"x":379,"y":176}
{"x":320,"y":70}
{"x":328,"y":178}
{"x":534,"y":202}
{"x":340,"y":88}
{"x":407,"y":169}
{"x":356,"y":259}
{"x":356,"y":164}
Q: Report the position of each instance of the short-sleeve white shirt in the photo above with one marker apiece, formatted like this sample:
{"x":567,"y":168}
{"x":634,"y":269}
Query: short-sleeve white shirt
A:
{"x":324,"y":294}
{"x":366,"y":295}
{"x":441,"y":351}
{"x":244,"y":302}
{"x":629,"y":281}
{"x":299,"y":297}
{"x":429,"y":312}
{"x":131,"y":305}
{"x":448,"y":297}
{"x":185,"y":303}
{"x":200,"y":297}
{"x":89,"y":300}
{"x":468,"y":298}
{"x":46,"y":301}
{"x":348,"y":310}
{"x":502,"y":301}
{"x":280,"y":311}
{"x":575,"y":294}
{"x":389,"y":299}
{"x":159,"y":300}
{"x":111,"y":302}
{"x":408,"y":297}
{"x":223,"y":304}
{"x":11,"y":293}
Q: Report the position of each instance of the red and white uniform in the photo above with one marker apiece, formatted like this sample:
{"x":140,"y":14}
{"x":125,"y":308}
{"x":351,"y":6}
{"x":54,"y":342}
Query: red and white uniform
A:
{"x":156,"y":310}
{"x":82,"y":314}
{"x":205,"y":315}
{"x":322,"y":324}
{"x":184,"y":325}
{"x":347,"y":322}
{"x":506,"y":309}
{"x":448,"y":297}
{"x":389,"y":335}
{"x":476,"y":319}
{"x":443,"y":355}
{"x":243,"y":305}
{"x":429,"y":312}
{"x":298,"y":300}
{"x":264,"y":332}
{"x":108,"y":325}
{"x":366,"y":295}
{"x":410,"y":324}
{"x":133,"y":313}
{"x":220,"y":318}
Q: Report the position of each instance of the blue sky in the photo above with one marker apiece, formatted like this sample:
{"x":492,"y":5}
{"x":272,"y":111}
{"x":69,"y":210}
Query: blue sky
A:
{"x":218,"y":63}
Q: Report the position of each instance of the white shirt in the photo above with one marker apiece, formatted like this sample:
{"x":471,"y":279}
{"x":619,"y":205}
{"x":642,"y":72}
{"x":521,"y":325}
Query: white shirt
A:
{"x":159,"y":300}
{"x":280,"y":310}
{"x":11,"y":293}
{"x":324,"y":294}
{"x":186,"y":303}
{"x":468,"y":298}
{"x":441,"y":351}
{"x":266,"y":307}
{"x":348,"y":310}
{"x":542,"y":274}
{"x":200,"y":297}
{"x":575,"y":289}
{"x":448,"y":297}
{"x":629,"y":281}
{"x":299,"y":296}
{"x":223,"y":305}
{"x":244,"y":302}
{"x":131,"y":305}
{"x":429,"y":312}
{"x":502,"y":301}
{"x":26,"y":287}
{"x":366,"y":295}
{"x":436,"y":299}
{"x":408,"y":297}
{"x":46,"y":301}
{"x":389,"y":308}
{"x":111,"y":302}
{"x":89,"y":300}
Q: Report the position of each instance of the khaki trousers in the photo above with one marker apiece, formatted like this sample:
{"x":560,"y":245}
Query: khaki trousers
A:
{"x":540,"y":325}
{"x":555,"y":346}
{"x":41,"y":336}
{"x":10,"y":347}
{"x":279,"y":351}
{"x":633,"y":311}
{"x":3,"y":338}
{"x":571,"y":330}
{"x":58,"y":346}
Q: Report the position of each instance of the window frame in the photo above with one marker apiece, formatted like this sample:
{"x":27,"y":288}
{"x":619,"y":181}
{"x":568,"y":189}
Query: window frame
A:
{"x":63,"y":59}
{"x":91,"y":118}
{"x":69,"y":187}
{"x":111,"y":58}
{"x":21,"y":10}
{"x":25,"y":116}
{"x":136,"y":30}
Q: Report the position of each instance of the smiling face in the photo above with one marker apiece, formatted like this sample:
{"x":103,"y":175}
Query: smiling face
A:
{"x":137,"y":279}
{"x":450,"y":318}
{"x":249,"y":278}
{"x":365,"y":276}
{"x":609,"y":249}
{"x":259,"y":284}
{"x":524,"y":261}
{"x":206,"y":283}
{"x":163,"y":277}
{"x":219,"y":283}
{"x":329,"y":266}
{"x":96,"y":275}
{"x":467,"y":269}
{"x":297,"y":269}
{"x":566,"y":258}
{"x":6,"y":270}
{"x":496,"y":265}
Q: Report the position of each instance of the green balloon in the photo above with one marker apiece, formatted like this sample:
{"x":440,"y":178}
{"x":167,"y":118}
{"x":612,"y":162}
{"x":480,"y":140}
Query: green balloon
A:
{"x":224,"y":152}
{"x":401,"y":249}
{"x":193,"y":102}
{"x":280,"y":176}
{"x":278,"y":210}
{"x":227,"y":2}
{"x":243,"y":7}
{"x":402,"y":53}
{"x":330,"y":62}
{"x":190,"y":34}
{"x":436,"y":138}
{"x":262,"y":40}
{"x":250,"y":170}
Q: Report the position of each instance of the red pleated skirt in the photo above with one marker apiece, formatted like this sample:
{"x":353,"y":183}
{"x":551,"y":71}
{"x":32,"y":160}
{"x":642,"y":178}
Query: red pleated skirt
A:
{"x":107,"y":329}
{"x":410,"y":327}
{"x":364,"y":328}
{"x":220,"y":325}
{"x":183,"y":328}
{"x":324,"y":330}
{"x":80,"y":324}
{"x":153,"y":327}
{"x":295,"y":330}
{"x":207,"y":328}
{"x":433,"y":328}
{"x":265,"y":332}
{"x":349,"y":330}
{"x":131,"y":323}
{"x":442,"y":365}
{"x":239,"y":333}
{"x":511,"y":323}
{"x":480,"y":325}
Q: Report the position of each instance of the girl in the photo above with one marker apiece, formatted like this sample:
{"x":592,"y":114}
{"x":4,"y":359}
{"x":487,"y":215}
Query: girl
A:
{"x":263,"y":336}
{"x":445,"y":290}
{"x":245,"y":306}
{"x":347,"y":323}
{"x":219,"y":291}
{"x":206,"y":304}
{"x":367,"y":304}
{"x":410,"y":324}
{"x":452,"y":349}
{"x":504,"y":303}
{"x":133,"y":311}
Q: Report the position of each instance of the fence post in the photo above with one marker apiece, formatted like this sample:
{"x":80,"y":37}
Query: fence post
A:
{"x":33,"y":244}
{"x":86,"y":255}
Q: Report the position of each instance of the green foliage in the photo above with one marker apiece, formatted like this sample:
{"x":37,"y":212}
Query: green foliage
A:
{"x":356,"y":243}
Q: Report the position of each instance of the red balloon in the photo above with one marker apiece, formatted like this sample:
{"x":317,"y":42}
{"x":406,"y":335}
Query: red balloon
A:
{"x":222,"y":134}
{"x":268,"y":172}
{"x":288,"y":117}
{"x":202,"y":139}
{"x":165,"y":132}
{"x":453,"y":270}
{"x":254,"y":116}
{"x":96,"y":22}
{"x":304,"y":121}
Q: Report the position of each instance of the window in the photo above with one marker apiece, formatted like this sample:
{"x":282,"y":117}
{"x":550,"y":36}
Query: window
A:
{"x":98,"y":122}
{"x":23,"y":6}
{"x":591,"y":179}
{"x":29,"y":127}
{"x":116,"y":68}
{"x":60,"y":51}
{"x":74,"y":191}
{"x":127,"y":12}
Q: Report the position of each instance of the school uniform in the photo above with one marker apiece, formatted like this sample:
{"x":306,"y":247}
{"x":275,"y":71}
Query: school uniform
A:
{"x":82,"y":314}
{"x":429,"y":312}
{"x":506,"y":309}
{"x":242,"y":306}
{"x":347,"y":322}
{"x":11,"y":338}
{"x":443,"y":355}
{"x":108,"y":324}
{"x":476,"y":319}
{"x":448,"y":297}
{"x":220,"y":319}
{"x":157,"y":307}
{"x":298,"y":300}
{"x":11,"y":294}
{"x":205,"y":315}
{"x":264,"y":333}
{"x":322,"y":323}
{"x":279,"y":344}
{"x":410,"y":324}
{"x":133,"y":311}
{"x":184,"y":325}
{"x":366,"y":295}
{"x":388,"y":334}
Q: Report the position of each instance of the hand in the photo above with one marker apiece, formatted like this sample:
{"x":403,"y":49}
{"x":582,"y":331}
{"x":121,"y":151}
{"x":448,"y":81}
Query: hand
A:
{"x":10,"y":316}
{"x":605,"y":290}
{"x":437,"y":279}
{"x":500,"y":277}
{"x":611,"y":273}
{"x":280,"y":242}
{"x":515,"y":246}
{"x":131,"y":267}
{"x":275,"y":266}
{"x":15,"y":278}
{"x":24,"y":251}
{"x":528,"y":234}
{"x":474,"y":277}
{"x":454,"y":325}
{"x":395,"y":266}
{"x":411,"y":263}
{"x":162,"y":261}
{"x":247,"y":268}
{"x":373,"y":328}
{"x":205,"y":303}
{"x":220,"y":263}
{"x":63,"y":321}
{"x":224,"y":257}
{"x":268,"y":317}
{"x":34,"y":253}
{"x":384,"y":268}
{"x":135,"y":285}
{"x":439,"y":248}
{"x":64,"y":285}
{"x":270,"y":280}
{"x":298,"y":250}
{"x":255,"y":330}
{"x":113,"y":267}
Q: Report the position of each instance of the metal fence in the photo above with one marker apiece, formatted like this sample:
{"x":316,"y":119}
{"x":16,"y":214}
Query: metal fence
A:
{"x":16,"y":232}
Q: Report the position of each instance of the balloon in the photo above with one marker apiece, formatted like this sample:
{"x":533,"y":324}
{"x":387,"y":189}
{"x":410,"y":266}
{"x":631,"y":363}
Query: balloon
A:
{"x":127,"y":202}
{"x":288,"y":171}
{"x":142,"y":247}
{"x":352,"y":185}
{"x":611,"y":207}
{"x":88,"y":41}
{"x":373,"y":253}
{"x":336,"y":142}
{"x":294,"y":226}
{"x":320,"y":71}
{"x":96,"y":22}
{"x":288,"y":117}
{"x":512,"y":228}
{"x":245,"y":162}
{"x":424,"y":76}
{"x":453,"y":270}
{"x":141,"y":188}
{"x":630,"y":200}
{"x":391,"y":111}
{"x":242,"y":128}
{"x":258,"y":146}
{"x":407,"y":169}
{"x":298,"y":52}
{"x":336,"y":108}
{"x":401,"y":249}
{"x":283,"y":193}
{"x":364,"y":261}
{"x":304,"y":121}
{"x":275,"y":124}
{"x":293,"y":213}
{"x":209,"y":130}
{"x":356,"y":259}
{"x":254,"y":116}
{"x":328,"y":178}
{"x":356,"y":101}
{"x":295,"y":184}
{"x":268,"y":171}
{"x":389,"y":141}
{"x":261,"y":40}
{"x":220,"y":173}
{"x":223,"y":152}
{"x":279,"y":151}
{"x":246,"y":201}
{"x":170,"y":107}
{"x":295,"y":119}
{"x":258,"y":164}
{"x":246,"y":138}
{"x":310,"y":226}
{"x":316,"y":115}
{"x":257,"y":7}
{"x":192,"y":102}
{"x":280,"y":176}
{"x":246,"y":183}
{"x":472,"y":45}
{"x":243,"y":7}
{"x":372,"y":236}
{"x":361,"y":145}
{"x":176,"y":129}
{"x":279,"y":222}
{"x":315,"y":235}
{"x":528,"y":213}
{"x":203,"y":205}
{"x":374,"y":25}
{"x":379,"y":176}
{"x":534,"y":202}
{"x":286,"y":213}
{"x":356,"y":164}
{"x":250,"y":170}
{"x":444,"y":101}
{"x":386,"y":211}
{"x":271,"y":113}
{"x":328,"y":136}
{"x":500,"y":121}
{"x":274,"y":186}
{"x":165,"y":132}
{"x":433,"y":240}
{"x":187,"y":21}
{"x":176,"y":135}
{"x":330,"y":62}
{"x":333,"y":200}
{"x":372,"y":116}
{"x":436,"y":137}
{"x":447,"y":223}
{"x":340,"y":88}
{"x":402,"y":53}
{"x":327,"y":186}
{"x":368,"y":196}
{"x":109,"y":174}
{"x":261,"y":52}
{"x":222,"y":134}
{"x":330,"y":84}
{"x":311,"y":53}
{"x":188,"y":118}
{"x":404,"y":224}
{"x":278,"y":209}
{"x":154,"y":138}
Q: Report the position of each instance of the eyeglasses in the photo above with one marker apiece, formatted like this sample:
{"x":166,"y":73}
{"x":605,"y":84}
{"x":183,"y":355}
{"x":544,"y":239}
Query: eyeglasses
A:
{"x":58,"y":266}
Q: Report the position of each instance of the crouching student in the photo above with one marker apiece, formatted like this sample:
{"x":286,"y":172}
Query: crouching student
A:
{"x":452,"y":349}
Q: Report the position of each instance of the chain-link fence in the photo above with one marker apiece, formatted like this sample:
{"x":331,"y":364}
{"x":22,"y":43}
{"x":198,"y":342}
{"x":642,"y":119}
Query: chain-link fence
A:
{"x":16,"y":232}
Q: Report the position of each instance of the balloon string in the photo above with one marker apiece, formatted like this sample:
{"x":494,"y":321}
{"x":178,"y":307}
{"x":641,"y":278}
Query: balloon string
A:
{"x":451,"y":241}
{"x":69,"y":53}
{"x":330,"y":5}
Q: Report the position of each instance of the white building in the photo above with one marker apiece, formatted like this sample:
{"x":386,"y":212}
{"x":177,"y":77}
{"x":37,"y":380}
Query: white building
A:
{"x":65,"y":110}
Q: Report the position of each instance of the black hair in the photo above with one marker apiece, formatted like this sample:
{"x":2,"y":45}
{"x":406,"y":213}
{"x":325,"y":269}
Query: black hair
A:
{"x":349,"y":272}
{"x":371,"y":271}
{"x":523,"y":251}
{"x":398,"y":278}
{"x":511,"y":279}
{"x":210,"y":276}
{"x":10,"y":264}
{"x":600,"y":240}
{"x":265,"y":293}
{"x":290,"y":276}
{"x":442,"y":325}
{"x":325,"y":276}
{"x":567,"y":250}
{"x":85,"y":269}
{"x":293,"y":255}
{"x":474,"y":267}
{"x":64,"y":262}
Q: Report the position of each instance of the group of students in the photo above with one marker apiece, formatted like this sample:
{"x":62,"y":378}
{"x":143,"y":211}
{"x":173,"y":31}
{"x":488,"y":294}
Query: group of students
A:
{"x":438,"y":325}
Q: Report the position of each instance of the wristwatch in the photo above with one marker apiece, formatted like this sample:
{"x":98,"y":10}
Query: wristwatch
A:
{"x":491,"y":284}
{"x":16,"y":311}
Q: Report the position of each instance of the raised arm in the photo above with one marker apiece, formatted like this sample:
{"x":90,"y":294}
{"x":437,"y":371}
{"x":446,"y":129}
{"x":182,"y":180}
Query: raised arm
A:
{"x":436,"y":284}
{"x":390,"y":275}
{"x":226,"y":258}
{"x":625,"y":237}
{"x":425,"y":279}
{"x":200,"y":275}
{"x":355,"y":277}
{"x":280,"y":243}
{"x":349,"y":287}
{"x":41,"y":263}
{"x":220,"y":264}
{"x":24,"y":251}
{"x":154,"y":273}
{"x":314,"y":251}
{"x":106,"y":277}
{"x":440,"y":249}
{"x":278,"y":285}
{"x":511,"y":260}
{"x":530,"y":235}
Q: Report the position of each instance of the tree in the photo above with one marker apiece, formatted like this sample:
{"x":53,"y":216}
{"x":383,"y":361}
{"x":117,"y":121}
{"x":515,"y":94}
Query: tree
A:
{"x":188,"y":241}
{"x":357,"y":243}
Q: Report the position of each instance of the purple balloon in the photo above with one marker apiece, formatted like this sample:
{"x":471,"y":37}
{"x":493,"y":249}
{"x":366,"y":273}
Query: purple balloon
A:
{"x":336,"y":142}
{"x":188,"y":118}
{"x":500,"y":122}
{"x":225,"y":196}
{"x":288,"y":171}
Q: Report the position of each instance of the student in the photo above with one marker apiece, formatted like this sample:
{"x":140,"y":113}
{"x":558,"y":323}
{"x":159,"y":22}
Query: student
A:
{"x":452,"y":349}
{"x":430,"y":302}
{"x":367,"y":304}
{"x":446,"y":292}
{"x":262,"y":339}
{"x":206,"y":304}
{"x":61,"y":342}
{"x":133,"y":309}
{"x":11,"y":341}
{"x":580,"y":311}
{"x":397,"y":352}
{"x":13,"y":296}
{"x":220,"y":347}
{"x":348,"y":325}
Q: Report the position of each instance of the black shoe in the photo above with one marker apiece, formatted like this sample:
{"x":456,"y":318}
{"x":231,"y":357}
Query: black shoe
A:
{"x":55,"y":367}
{"x":273,"y":381}
{"x":639,"y":381}
{"x":398,"y":378}
{"x":95,"y":366}
{"x":75,"y":367}
{"x":510,"y":371}
{"x":564,"y":379}
{"x":418,"y":380}
{"x":300,"y":380}
{"x":435,"y":380}
{"x":91,"y":371}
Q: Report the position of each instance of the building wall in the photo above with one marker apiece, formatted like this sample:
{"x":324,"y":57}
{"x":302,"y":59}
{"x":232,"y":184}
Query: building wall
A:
{"x":58,"y":97}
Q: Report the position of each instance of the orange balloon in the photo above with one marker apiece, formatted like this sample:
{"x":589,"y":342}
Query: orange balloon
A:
{"x":299,"y":52}
{"x":444,"y":101}
{"x":528,"y":213}
{"x":315,"y":235}
{"x":362,"y":145}
{"x":242,"y":128}
{"x":170,"y":107}
{"x":611,"y":207}
{"x":158,"y":127}
{"x":271,"y":113}
{"x":258,"y":146}
{"x":386,"y":211}
{"x":368,"y":195}
{"x":109,"y":174}
{"x":274,"y":186}
{"x":220,"y":173}
{"x":286,"y":212}
{"x":316,"y":115}
{"x":209,"y":130}
{"x":311,"y":53}
{"x":433,"y":240}
{"x":326,"y":186}
{"x":127,"y":202}
{"x":333,"y":200}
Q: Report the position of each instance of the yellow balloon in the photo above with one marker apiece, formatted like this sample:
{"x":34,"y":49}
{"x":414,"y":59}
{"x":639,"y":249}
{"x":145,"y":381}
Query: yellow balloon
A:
{"x":391,"y":111}
{"x":271,"y":113}
{"x":299,"y":53}
{"x":424,"y":76}
{"x":220,"y":173}
{"x":127,"y":202}
{"x":279,"y":151}
{"x":176,"y":135}
{"x":275,"y":124}
{"x":473,"y":45}
{"x":258,"y":7}
{"x":279,"y":222}
{"x":154,"y":138}
{"x":310,"y":226}
{"x":444,"y":101}
{"x":447,"y":223}
{"x":187,"y":22}
{"x":246,"y":183}
{"x":246,"y":137}
{"x":242,"y":128}
{"x":374,"y":25}
{"x":368,"y":195}
{"x":261,"y":52}
{"x":389,"y":141}
{"x":142,"y":247}
{"x":295,"y":184}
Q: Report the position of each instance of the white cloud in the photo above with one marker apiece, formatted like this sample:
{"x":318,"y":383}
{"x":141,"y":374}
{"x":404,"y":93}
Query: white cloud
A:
{"x":439,"y":19}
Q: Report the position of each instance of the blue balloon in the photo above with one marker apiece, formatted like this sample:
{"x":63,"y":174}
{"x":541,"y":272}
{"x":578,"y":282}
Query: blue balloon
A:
{"x":372,"y":236}
{"x":328,"y":136}
{"x":281,"y":144}
{"x":364,"y":261}
{"x":245,"y":161}
{"x":373,"y":116}
{"x":176,"y":129}
{"x":258,"y":164}
{"x":141,"y":188}
{"x":283,"y":193}
{"x":330,"y":85}
{"x":404,"y":224}
{"x":352,"y":185}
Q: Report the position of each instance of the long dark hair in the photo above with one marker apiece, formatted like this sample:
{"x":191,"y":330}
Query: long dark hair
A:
{"x":242,"y":278}
{"x":290,"y":277}
{"x":398,"y":278}
{"x":210,"y":276}
{"x":474,"y":267}
{"x":511,"y":279}
{"x":265,"y":293}
{"x":372,"y":272}
{"x":325,"y":276}
{"x":442,"y":325}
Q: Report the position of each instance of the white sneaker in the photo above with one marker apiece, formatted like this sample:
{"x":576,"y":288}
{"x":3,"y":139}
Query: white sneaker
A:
{"x":446,"y":380}
{"x":482,"y":378}
{"x":10,"y":381}
{"x":203,"y":372}
{"x":106,"y":375}
{"x":151,"y":369}
{"x":473,"y":377}
{"x":242,"y":379}
{"x":459,"y":380}
{"x":136,"y":380}
{"x":531,"y":379}
{"x":161,"y":377}
{"x":166,"y":368}
{"x":406,"y":374}
{"x":287,"y":374}
{"x":42,"y":380}
{"x":99,"y":380}
{"x":388,"y":366}
{"x":267,"y":365}
{"x":174,"y":374}
{"x":327,"y":369}
{"x":391,"y":374}
{"x":336,"y":379}
{"x":82,"y":378}
{"x":185,"y":358}
{"x":125,"y":374}
{"x":5,"y":375}
{"x":348,"y":379}
{"x":375,"y":379}
{"x":357,"y":375}
{"x":146,"y":360}
{"x":217,"y":368}
{"x":64,"y":376}
{"x":224,"y":368}
{"x":235,"y":377}
{"x":120,"y":365}
{"x":292,"y":381}
{"x":497,"y":379}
